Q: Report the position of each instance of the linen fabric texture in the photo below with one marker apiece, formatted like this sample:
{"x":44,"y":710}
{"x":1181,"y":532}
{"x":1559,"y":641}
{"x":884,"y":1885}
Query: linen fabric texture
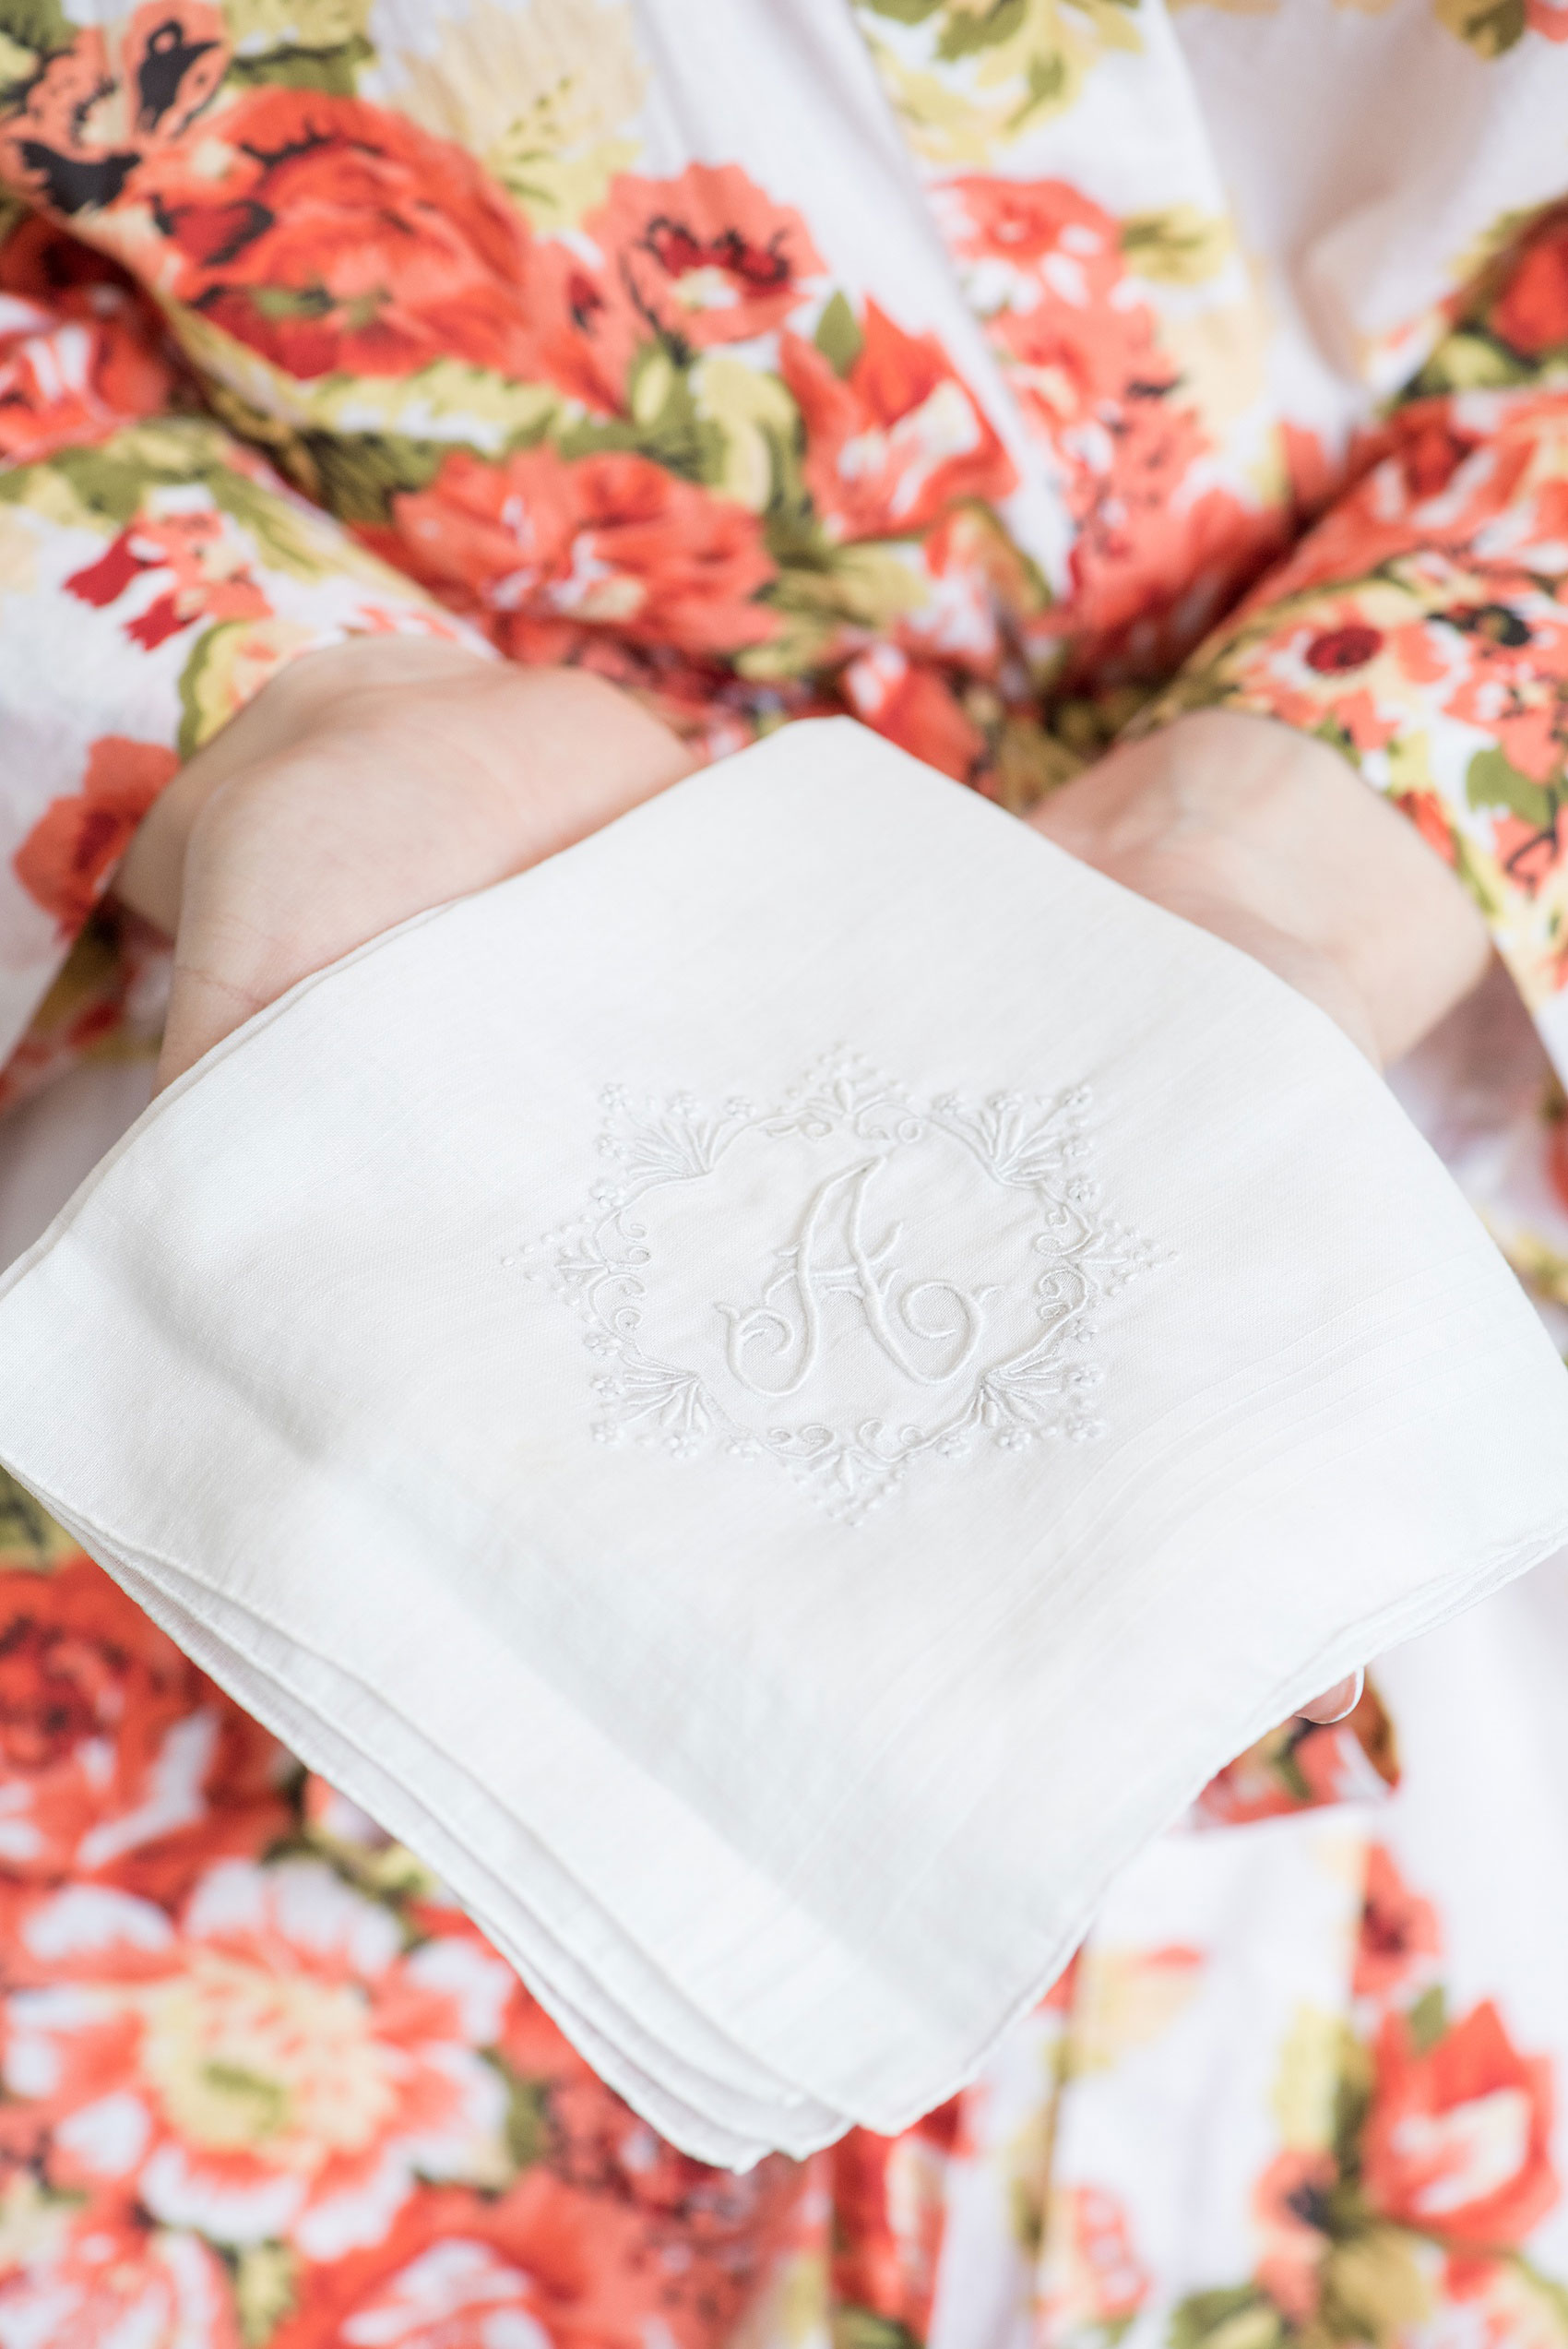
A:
{"x":774,"y":1396}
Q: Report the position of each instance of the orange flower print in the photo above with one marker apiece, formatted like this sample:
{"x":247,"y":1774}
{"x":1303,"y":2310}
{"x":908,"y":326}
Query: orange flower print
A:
{"x":1458,"y":2140}
{"x":91,"y":117}
{"x":557,"y":549}
{"x":102,"y":2277}
{"x":339,"y":237}
{"x":1290,"y":2210}
{"x":892,"y":445}
{"x":1090,"y":2274}
{"x":703,"y":258}
{"x":273,"y":2066}
{"x":1514,"y":682}
{"x":113,"y":1746}
{"x":1398,"y":1934}
{"x":460,"y":2293}
{"x":1044,"y":266}
{"x":1430,"y":818}
{"x":889,"y":2205}
{"x":66,"y":859}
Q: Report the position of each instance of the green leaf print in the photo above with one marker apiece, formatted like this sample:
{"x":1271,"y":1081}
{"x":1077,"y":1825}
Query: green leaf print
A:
{"x":356,"y":475}
{"x":526,"y":2125}
{"x":29,"y":1536}
{"x":862,"y":2329}
{"x":39,"y":25}
{"x":1237,"y":2317}
{"x":1488,"y":27}
{"x":904,"y":12}
{"x":838,"y":336}
{"x":1428,"y":2018}
{"x":964,"y":33}
{"x":263,"y":2290}
{"x":665,"y":421}
{"x":110,"y":486}
{"x":1491,"y":780}
{"x":334,"y":72}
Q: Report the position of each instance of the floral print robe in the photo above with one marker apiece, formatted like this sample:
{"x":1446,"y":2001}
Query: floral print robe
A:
{"x":1005,"y":372}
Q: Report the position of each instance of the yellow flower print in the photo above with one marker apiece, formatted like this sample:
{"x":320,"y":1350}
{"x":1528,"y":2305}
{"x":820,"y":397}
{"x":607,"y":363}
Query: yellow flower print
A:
{"x":242,"y":2055}
{"x":18,"y":555}
{"x":970,"y":76}
{"x":757,"y":421}
{"x":1126,"y":1999}
{"x":1312,"y":2066}
{"x":1377,"y":2281}
{"x":1180,"y":245}
{"x":543,"y":95}
{"x":228,"y":667}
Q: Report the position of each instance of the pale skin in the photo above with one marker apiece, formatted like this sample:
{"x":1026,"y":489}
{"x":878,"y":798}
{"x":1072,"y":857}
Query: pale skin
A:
{"x":372,"y":781}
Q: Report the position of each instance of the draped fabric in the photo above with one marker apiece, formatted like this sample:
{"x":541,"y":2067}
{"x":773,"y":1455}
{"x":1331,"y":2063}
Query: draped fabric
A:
{"x":1002,"y":373}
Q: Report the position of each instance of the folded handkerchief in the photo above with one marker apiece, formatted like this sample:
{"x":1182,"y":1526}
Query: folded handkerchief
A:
{"x":773,"y":1396}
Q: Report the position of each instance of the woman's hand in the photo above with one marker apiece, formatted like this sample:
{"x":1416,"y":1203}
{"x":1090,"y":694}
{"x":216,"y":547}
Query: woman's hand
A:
{"x":1266,"y":838}
{"x":363,"y":785}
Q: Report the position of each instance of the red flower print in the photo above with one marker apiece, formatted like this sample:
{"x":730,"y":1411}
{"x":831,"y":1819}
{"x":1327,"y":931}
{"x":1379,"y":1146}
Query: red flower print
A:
{"x":1290,"y":2210}
{"x":545,"y":2266}
{"x":914,"y":707}
{"x":206,"y":565}
{"x":892,"y":445}
{"x":582,"y":329}
{"x":889,"y":2205}
{"x":80,"y":354}
{"x":459,"y":2293}
{"x":113,"y":1747}
{"x":1557,"y":1158}
{"x":556,"y":549}
{"x":91,"y":117}
{"x":342,"y":238}
{"x":1459,"y":2140}
{"x":705,"y":257}
{"x":1340,"y":648}
{"x":66,"y":859}
{"x":99,"y":2278}
{"x":1531,"y":314}
{"x":274,"y":2066}
{"x":1431,"y":449}
{"x":1399,"y":1932}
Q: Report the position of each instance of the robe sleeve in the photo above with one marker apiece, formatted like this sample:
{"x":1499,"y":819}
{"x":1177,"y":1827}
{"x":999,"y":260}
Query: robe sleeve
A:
{"x":1421,"y":628}
{"x":154,"y":574}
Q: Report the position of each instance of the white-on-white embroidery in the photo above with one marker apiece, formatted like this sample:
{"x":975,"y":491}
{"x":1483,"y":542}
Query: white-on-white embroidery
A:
{"x":922,"y":1273}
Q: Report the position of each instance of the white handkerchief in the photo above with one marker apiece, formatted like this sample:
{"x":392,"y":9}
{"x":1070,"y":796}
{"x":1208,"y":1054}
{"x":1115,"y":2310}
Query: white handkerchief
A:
{"x":774,"y":1396}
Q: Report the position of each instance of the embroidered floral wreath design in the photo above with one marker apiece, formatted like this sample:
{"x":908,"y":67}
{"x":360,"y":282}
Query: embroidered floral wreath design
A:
{"x":602,"y":1263}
